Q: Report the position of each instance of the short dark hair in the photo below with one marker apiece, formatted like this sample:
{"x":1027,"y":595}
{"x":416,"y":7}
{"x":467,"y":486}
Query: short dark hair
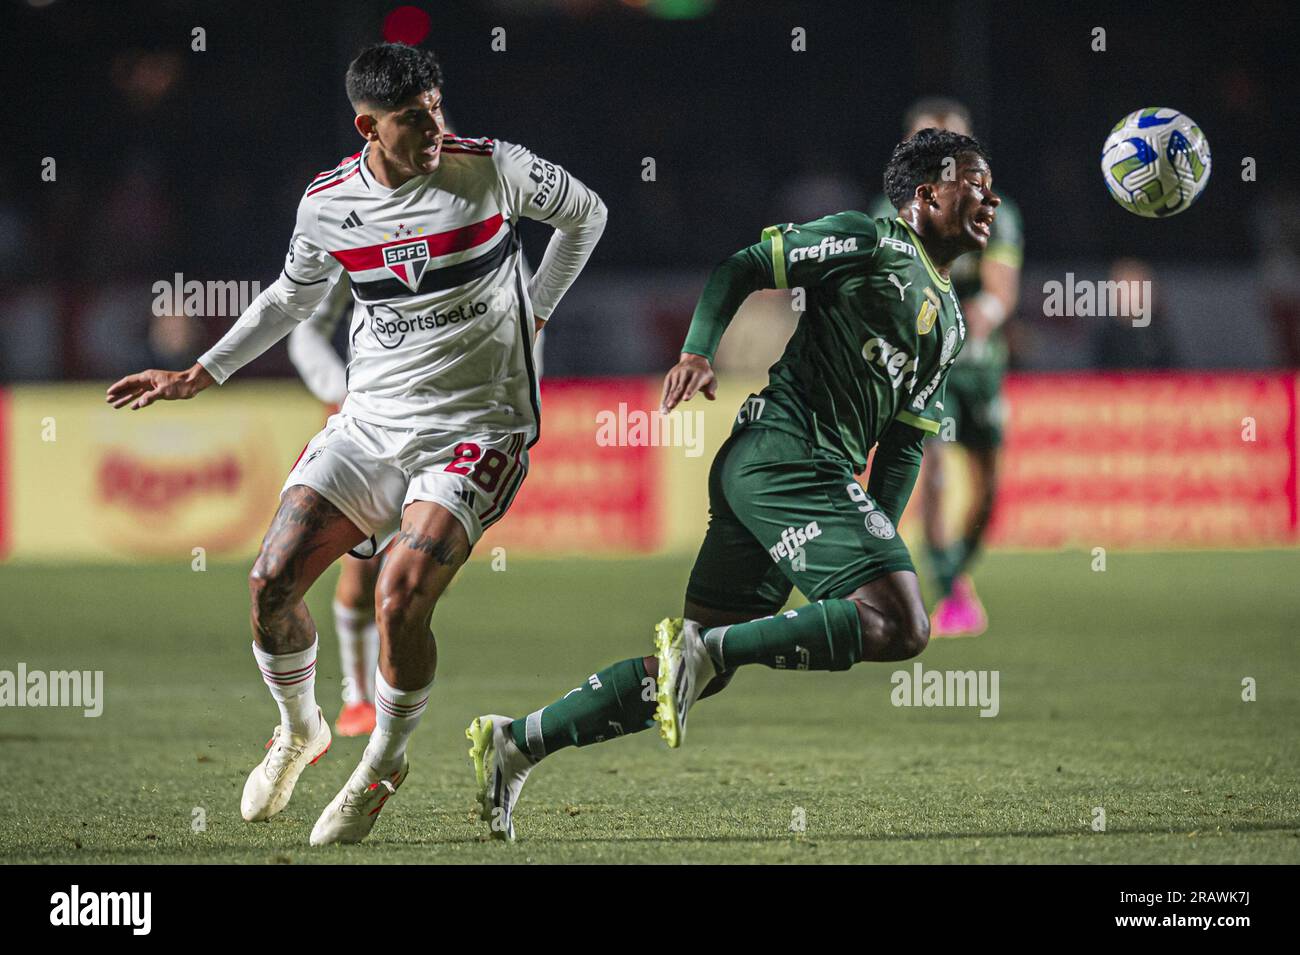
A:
{"x":920,"y":159}
{"x":388,"y":74}
{"x":934,"y":106}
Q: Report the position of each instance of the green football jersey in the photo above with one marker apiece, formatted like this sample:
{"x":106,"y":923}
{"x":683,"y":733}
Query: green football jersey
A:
{"x":1006,"y":244}
{"x":879,"y":330}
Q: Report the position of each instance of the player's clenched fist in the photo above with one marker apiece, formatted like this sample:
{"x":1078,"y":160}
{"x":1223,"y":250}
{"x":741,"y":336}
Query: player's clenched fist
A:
{"x":693,"y":373}
{"x":143,"y":389}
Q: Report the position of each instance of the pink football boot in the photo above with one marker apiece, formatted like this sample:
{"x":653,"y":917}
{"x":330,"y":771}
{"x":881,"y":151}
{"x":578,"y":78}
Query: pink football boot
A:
{"x":960,"y":614}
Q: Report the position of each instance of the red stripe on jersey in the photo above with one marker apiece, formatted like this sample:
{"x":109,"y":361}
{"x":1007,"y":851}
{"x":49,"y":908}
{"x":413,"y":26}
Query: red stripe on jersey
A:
{"x":462,"y":142}
{"x":331,"y":185}
{"x":329,"y":172}
{"x":440,"y":243}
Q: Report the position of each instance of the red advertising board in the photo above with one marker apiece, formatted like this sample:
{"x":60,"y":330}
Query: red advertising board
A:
{"x":582,"y":496}
{"x":1148,"y":459}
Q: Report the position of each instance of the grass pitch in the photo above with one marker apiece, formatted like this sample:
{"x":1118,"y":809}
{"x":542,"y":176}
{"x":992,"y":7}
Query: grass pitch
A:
{"x":1119,"y":690}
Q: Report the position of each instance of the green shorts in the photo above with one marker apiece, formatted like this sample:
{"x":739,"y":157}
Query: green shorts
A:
{"x":973,"y":399}
{"x":784,"y":513}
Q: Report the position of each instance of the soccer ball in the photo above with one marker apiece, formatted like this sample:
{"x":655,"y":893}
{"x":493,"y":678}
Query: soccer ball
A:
{"x":1156,"y":162}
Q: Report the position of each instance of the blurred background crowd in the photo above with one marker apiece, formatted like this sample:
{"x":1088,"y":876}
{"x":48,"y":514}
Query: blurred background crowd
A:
{"x":170,"y":160}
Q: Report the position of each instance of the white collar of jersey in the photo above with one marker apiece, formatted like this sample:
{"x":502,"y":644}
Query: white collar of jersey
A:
{"x":374,"y":184}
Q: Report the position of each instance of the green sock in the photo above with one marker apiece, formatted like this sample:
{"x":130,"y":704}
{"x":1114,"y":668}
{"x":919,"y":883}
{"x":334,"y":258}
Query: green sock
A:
{"x":826,"y":635}
{"x":944,"y":561}
{"x":614,"y":702}
{"x":968,"y":548}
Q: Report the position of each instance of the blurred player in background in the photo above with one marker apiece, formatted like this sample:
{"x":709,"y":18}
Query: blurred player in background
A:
{"x":430,"y":447}
{"x":988,"y":284}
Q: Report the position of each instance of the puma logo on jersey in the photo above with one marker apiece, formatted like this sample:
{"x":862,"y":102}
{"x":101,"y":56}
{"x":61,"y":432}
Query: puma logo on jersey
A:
{"x":352,"y":221}
{"x":827,"y":247}
{"x":895,"y":281}
{"x":894,"y":361}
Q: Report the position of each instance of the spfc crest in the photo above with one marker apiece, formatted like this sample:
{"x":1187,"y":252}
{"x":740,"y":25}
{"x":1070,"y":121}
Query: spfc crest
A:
{"x":929,"y":312}
{"x":407,"y":260}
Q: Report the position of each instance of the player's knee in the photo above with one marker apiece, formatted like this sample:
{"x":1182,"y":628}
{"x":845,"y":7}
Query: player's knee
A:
{"x":270,"y":585}
{"x":913,"y":635}
{"x":404,"y":604}
{"x":899,"y":634}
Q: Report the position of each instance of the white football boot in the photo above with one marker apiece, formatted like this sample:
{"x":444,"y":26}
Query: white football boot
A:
{"x":353,"y":812}
{"x":271,"y":782}
{"x":684,"y":671}
{"x":500,"y":768}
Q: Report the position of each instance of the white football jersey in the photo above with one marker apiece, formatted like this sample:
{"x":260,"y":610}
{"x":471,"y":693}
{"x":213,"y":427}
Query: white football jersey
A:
{"x":442,"y":327}
{"x":311,"y":346}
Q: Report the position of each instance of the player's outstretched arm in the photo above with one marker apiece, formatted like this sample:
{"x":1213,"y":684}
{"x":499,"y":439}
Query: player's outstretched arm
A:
{"x":728,"y":285}
{"x":288,"y":301}
{"x":143,"y":389}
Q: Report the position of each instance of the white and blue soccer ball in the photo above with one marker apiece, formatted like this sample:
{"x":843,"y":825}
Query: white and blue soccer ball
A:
{"x":1156,"y":162}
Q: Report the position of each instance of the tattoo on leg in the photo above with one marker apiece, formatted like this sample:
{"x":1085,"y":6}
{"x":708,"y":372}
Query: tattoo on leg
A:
{"x":293,"y":538}
{"x":442,"y":550}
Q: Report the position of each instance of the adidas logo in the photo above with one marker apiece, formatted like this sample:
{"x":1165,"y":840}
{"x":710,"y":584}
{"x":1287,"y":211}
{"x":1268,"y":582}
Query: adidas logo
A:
{"x":352,"y":221}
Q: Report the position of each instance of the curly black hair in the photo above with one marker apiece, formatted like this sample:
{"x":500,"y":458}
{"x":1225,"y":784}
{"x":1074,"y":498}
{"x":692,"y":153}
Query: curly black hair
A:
{"x":920,"y":159}
{"x":388,"y":74}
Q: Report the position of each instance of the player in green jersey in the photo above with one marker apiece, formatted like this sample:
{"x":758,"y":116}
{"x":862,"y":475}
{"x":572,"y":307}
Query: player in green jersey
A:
{"x":882,"y":324}
{"x":988,"y":285}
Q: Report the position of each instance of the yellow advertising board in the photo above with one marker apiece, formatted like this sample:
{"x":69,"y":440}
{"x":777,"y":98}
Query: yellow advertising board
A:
{"x":88,"y":482}
{"x":1162,"y":460}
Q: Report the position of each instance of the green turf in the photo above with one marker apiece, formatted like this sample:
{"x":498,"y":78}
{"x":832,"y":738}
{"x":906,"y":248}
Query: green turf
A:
{"x":1119,"y":690}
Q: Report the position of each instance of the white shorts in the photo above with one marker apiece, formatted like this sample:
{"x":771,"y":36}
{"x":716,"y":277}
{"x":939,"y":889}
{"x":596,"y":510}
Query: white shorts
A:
{"x":371,"y":473}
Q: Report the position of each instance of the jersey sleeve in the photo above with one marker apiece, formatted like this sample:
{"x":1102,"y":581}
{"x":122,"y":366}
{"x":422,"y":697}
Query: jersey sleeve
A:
{"x":925,"y":412}
{"x":311,"y":346}
{"x":788,"y":256}
{"x":820,"y":252}
{"x":536,"y":188}
{"x":307,"y":262}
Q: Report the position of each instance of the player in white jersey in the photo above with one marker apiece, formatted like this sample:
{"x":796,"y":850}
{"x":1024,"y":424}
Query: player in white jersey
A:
{"x":311,"y":349}
{"x":430,"y":446}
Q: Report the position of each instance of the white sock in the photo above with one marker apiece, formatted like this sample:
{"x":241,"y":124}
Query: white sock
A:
{"x":397,"y":714}
{"x":358,"y":652}
{"x":291,"y":678}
